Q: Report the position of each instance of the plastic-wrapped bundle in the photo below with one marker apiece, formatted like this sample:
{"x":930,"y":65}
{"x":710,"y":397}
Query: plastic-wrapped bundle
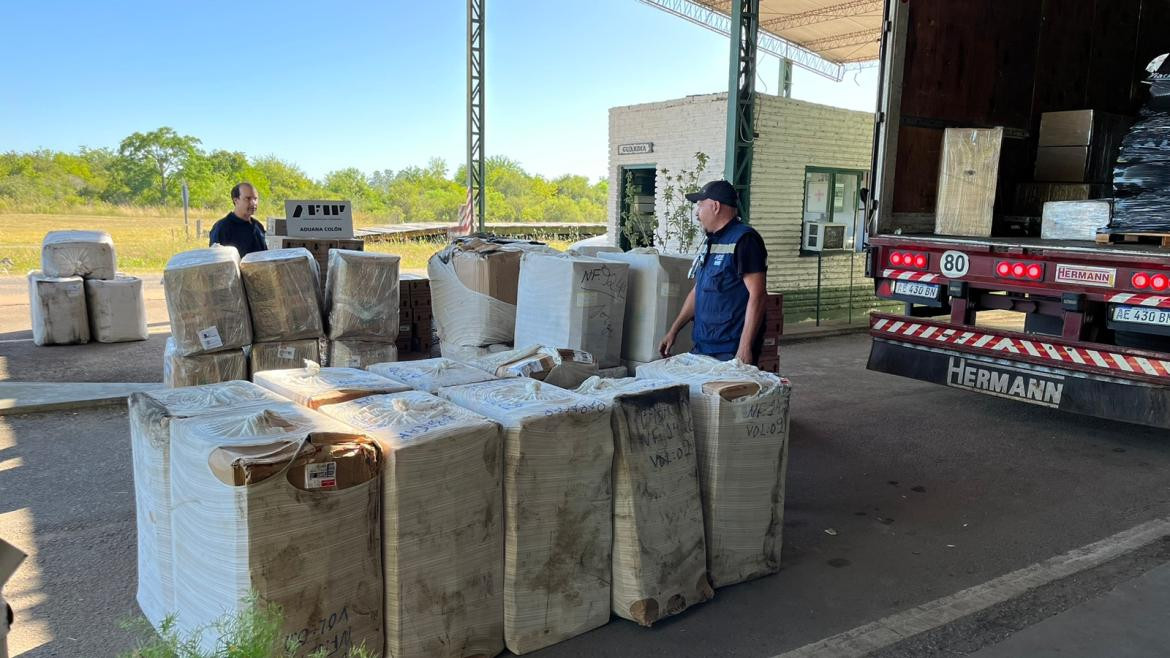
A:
{"x":360,"y":353}
{"x":151,"y":414}
{"x":117,"y":311}
{"x":88,"y":254}
{"x":741,"y":432}
{"x":967,"y":180}
{"x":314,"y":386}
{"x":284,"y":294}
{"x":431,"y":374}
{"x":559,"y":367}
{"x":658,"y":287}
{"x":1141,"y":178}
{"x":206,"y":301}
{"x":558,"y":449}
{"x":616,"y":372}
{"x":283,"y":355}
{"x":58,"y":309}
{"x":659,"y":550}
{"x":225,"y":366}
{"x":361,"y":295}
{"x":574,"y":303}
{"x":1148,"y":140}
{"x":1148,"y":213}
{"x":442,"y":532}
{"x":1074,"y":220}
{"x":283,"y":503}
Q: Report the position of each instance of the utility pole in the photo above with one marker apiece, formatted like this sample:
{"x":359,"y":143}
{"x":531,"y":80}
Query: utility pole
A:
{"x":741,"y":99}
{"x":475,"y":108}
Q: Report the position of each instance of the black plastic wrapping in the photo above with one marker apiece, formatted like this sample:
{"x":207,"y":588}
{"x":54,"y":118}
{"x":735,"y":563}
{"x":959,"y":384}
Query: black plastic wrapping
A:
{"x":1141,"y":179}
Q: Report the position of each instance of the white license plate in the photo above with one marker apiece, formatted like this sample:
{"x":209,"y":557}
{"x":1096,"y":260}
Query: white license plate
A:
{"x":1142,"y":315}
{"x":916,"y":289}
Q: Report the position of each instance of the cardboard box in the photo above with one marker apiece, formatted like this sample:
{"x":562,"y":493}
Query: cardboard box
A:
{"x":1031,"y":197}
{"x":1080,"y":127}
{"x":491,"y":272}
{"x":1077,"y":164}
{"x":968,"y":172}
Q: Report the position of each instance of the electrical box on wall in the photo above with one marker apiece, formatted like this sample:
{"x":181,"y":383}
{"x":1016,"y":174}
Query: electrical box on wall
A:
{"x":823,"y":236}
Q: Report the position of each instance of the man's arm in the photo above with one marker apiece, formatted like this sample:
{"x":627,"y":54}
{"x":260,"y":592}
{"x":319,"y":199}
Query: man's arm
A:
{"x":685,"y":315}
{"x":753,"y":316}
{"x":213,"y":235}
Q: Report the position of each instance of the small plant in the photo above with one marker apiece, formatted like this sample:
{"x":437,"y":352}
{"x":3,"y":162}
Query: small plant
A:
{"x":676,"y":221}
{"x":637,"y":227}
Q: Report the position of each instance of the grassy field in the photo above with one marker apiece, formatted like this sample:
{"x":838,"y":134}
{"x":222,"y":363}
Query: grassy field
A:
{"x":145,"y":242}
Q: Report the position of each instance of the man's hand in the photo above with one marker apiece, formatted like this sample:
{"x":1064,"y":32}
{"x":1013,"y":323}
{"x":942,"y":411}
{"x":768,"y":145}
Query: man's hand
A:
{"x":666,"y":344}
{"x":744,"y":355}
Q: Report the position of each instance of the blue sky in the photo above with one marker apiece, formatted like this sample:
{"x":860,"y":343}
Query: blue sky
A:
{"x":372,"y":84}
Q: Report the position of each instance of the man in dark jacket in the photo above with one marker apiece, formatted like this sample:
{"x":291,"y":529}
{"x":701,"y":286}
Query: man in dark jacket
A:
{"x":239,"y":229}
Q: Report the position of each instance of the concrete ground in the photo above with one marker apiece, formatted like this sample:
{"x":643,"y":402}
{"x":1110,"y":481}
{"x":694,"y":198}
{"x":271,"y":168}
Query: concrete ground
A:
{"x":899,"y":493}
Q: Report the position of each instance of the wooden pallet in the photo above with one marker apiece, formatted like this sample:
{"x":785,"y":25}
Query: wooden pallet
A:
{"x":1162,"y":239}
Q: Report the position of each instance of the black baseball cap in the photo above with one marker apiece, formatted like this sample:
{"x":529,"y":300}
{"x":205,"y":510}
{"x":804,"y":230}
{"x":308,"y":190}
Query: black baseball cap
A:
{"x":716,"y":190}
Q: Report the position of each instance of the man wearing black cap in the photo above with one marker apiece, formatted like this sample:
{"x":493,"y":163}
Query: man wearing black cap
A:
{"x":727,"y":302}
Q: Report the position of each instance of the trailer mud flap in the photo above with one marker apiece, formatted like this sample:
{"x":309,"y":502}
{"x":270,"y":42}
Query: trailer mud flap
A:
{"x":1067,"y":390}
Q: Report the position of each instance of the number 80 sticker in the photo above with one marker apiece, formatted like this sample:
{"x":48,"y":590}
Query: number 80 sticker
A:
{"x":954,"y":264}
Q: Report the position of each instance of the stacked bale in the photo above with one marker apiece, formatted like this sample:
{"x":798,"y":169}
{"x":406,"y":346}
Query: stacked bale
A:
{"x":117,"y":310}
{"x":658,"y":287}
{"x":430,"y":375}
{"x":58,"y":309}
{"x":314,"y":386}
{"x":284,"y":299}
{"x":208,"y":312}
{"x":361,"y":300}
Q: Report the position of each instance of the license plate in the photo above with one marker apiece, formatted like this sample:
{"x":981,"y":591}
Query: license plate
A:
{"x":916,"y":289}
{"x":1142,"y":315}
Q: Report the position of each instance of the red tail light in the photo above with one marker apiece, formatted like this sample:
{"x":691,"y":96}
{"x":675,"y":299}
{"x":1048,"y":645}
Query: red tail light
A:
{"x":1004,"y":269}
{"x":1159,"y":282}
{"x":1140,"y":280}
{"x":920,"y":261}
{"x":895,"y":258}
{"x":1154,"y":281}
{"x":1020,"y":270}
{"x":909,"y":259}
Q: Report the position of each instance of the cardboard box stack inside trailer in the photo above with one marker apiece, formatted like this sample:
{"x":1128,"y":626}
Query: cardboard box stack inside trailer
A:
{"x":658,"y":286}
{"x":415,"y":318}
{"x":1078,"y":146}
{"x":285,"y":302}
{"x":361,"y":301}
{"x":314,"y":386}
{"x":430,"y":375}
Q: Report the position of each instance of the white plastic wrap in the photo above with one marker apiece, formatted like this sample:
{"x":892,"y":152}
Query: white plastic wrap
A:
{"x":58,"y":309}
{"x":572,"y":302}
{"x":558,"y":516}
{"x":442,"y":530}
{"x":284,"y":503}
{"x":559,"y":367}
{"x":360,"y":353}
{"x":284,"y":294}
{"x":314,"y":386}
{"x":117,"y":310}
{"x":151,"y":414}
{"x":741,"y":432}
{"x":659,"y":550}
{"x":658,"y":288}
{"x":431,"y":374}
{"x":283,"y":355}
{"x":88,"y":254}
{"x":616,"y":372}
{"x":179,"y":370}
{"x":206,"y":301}
{"x":361,"y":295}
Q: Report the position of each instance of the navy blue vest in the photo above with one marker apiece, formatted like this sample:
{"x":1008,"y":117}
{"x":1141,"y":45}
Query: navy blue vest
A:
{"x":720,"y":295}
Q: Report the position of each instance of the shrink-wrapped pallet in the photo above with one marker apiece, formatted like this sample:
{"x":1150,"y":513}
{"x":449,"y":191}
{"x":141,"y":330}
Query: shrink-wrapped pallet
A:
{"x":284,"y":294}
{"x":314,"y":386}
{"x":58,"y":309}
{"x":659,"y":550}
{"x":442,"y":531}
{"x":284,"y":503}
{"x":151,"y":414}
{"x":558,"y":449}
{"x":225,"y":366}
{"x":283,"y":355}
{"x":206,"y":301}
{"x":88,"y":254}
{"x":559,"y":367}
{"x":361,"y":296}
{"x":741,"y":431}
{"x":117,"y":310}
{"x":360,"y":353}
{"x":572,"y":302}
{"x":658,"y":287}
{"x":431,"y":374}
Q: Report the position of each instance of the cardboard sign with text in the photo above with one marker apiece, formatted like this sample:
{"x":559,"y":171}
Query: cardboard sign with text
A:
{"x":319,"y":219}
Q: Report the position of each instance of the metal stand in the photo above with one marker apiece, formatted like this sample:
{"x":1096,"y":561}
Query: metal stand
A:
{"x":741,"y":100}
{"x":475,"y":108}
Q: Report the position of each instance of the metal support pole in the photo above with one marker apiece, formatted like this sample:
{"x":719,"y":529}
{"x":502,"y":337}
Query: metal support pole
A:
{"x":786,"y":78}
{"x":475,"y":108}
{"x":819,"y":288}
{"x":741,"y":99}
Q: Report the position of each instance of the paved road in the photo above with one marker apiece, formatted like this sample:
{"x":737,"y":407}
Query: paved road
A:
{"x":928,"y":491}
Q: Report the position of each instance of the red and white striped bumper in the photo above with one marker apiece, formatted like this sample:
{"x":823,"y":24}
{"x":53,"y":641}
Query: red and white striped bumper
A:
{"x":1133,"y":299}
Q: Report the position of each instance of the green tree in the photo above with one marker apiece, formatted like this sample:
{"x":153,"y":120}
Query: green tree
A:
{"x":164,"y":151}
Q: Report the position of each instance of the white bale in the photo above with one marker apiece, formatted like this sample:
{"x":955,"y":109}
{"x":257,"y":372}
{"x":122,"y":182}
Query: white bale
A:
{"x":283,"y":355}
{"x":88,"y":254}
{"x":284,"y":294}
{"x":206,"y":301}
{"x":151,"y":414}
{"x":361,"y":296}
{"x":226,"y":366}
{"x":572,"y":302}
{"x":314,"y":386}
{"x":360,"y":353}
{"x":442,"y":529}
{"x":431,"y":374}
{"x":117,"y":310}
{"x":58,"y":309}
{"x":658,"y":288}
{"x":558,"y":450}
{"x":284,"y":503}
{"x":741,"y":432}
{"x":659,"y":550}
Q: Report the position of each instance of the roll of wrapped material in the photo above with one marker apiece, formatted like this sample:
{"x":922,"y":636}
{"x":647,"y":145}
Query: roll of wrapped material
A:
{"x":58,"y":310}
{"x":88,"y":254}
{"x":659,"y":550}
{"x":206,"y":301}
{"x":442,"y":527}
{"x":151,"y":414}
{"x":431,"y":374}
{"x":284,"y":294}
{"x":283,"y":355}
{"x":361,"y":296}
{"x":225,"y":366}
{"x":558,"y":516}
{"x":658,"y":287}
{"x":314,"y":386}
{"x":360,"y":353}
{"x":741,"y":432}
{"x":117,"y":310}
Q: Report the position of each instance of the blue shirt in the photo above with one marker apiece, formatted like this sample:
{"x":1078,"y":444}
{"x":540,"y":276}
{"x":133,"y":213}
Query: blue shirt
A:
{"x":245,"y":236}
{"x":721,"y":296}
